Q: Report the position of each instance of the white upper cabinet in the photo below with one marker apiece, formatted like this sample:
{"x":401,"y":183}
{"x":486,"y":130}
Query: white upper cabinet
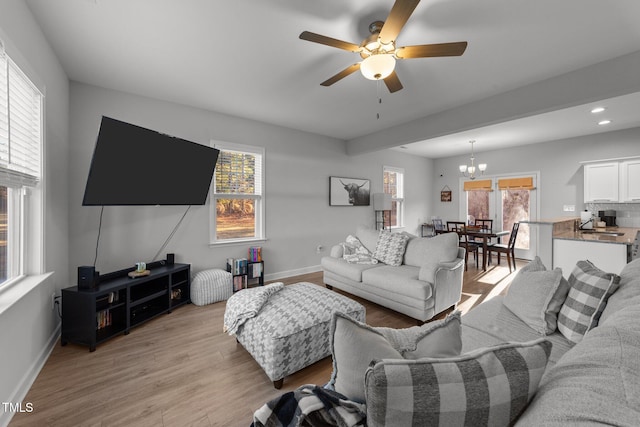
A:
{"x":601,"y":182}
{"x":630,"y":181}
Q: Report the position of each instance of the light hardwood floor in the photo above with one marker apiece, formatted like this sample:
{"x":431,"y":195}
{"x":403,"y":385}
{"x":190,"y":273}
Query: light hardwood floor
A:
{"x":181,"y":370}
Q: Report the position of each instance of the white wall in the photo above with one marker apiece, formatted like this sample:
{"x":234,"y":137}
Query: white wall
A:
{"x":28,"y":325}
{"x":561,"y":174}
{"x":298,"y":166}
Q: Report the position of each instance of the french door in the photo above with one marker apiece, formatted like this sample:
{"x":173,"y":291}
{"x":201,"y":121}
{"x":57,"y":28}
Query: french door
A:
{"x":506,"y":200}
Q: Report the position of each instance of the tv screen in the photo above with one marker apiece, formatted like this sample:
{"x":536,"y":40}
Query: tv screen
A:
{"x":132,"y":165}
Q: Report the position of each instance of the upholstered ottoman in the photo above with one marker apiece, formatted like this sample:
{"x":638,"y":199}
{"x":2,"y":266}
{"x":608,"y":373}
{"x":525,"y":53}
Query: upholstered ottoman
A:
{"x":209,"y":286}
{"x":291,"y":331}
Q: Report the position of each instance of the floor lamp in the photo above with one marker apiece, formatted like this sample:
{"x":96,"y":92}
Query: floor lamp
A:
{"x":381,"y":204}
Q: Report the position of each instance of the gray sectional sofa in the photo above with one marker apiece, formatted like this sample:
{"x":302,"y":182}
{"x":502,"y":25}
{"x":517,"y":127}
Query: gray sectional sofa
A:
{"x":597,"y":380}
{"x":428,"y":281}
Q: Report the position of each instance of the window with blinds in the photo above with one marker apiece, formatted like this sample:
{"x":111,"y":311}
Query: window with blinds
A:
{"x":237,"y":194}
{"x":393,"y":183}
{"x":21,"y":127}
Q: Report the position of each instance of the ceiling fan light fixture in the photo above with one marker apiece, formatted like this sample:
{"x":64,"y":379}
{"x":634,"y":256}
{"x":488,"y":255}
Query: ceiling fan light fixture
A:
{"x":377,"y":67}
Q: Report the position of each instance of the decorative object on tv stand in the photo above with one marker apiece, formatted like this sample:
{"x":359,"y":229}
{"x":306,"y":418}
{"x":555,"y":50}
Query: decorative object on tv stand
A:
{"x":470,"y":171}
{"x":382,"y":205}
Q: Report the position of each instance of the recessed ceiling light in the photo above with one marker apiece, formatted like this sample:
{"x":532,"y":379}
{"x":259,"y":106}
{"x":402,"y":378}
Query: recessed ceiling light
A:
{"x":604,"y":122}
{"x":598,"y":110}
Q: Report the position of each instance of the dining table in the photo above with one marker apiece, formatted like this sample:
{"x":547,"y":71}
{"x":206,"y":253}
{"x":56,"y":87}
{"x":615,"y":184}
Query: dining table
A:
{"x":480,"y":233}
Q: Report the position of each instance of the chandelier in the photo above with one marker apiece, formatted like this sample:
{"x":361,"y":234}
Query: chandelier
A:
{"x":470,"y":171}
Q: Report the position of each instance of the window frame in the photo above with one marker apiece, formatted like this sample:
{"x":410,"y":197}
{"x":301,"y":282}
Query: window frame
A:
{"x":399,"y":199}
{"x":23,"y":181}
{"x":259,"y":199}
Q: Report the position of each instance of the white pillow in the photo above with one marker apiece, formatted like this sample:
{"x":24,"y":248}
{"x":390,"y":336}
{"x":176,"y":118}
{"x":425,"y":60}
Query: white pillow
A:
{"x":355,"y":344}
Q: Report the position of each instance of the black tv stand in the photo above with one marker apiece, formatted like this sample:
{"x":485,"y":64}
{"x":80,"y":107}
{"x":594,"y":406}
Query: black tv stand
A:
{"x":119,"y":303}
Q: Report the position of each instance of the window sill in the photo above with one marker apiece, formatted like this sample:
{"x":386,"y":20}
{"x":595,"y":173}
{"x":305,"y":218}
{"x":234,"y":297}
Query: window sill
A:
{"x":12,"y":292}
{"x":237,"y":242}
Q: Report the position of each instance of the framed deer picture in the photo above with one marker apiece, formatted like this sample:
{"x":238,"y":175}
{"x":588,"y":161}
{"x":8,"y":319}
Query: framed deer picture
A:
{"x":348,"y":191}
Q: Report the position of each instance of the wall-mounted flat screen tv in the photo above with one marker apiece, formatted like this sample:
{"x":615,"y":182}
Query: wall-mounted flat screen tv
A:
{"x":132,"y":165}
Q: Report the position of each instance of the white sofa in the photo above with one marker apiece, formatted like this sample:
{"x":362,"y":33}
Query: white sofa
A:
{"x":428,"y":282}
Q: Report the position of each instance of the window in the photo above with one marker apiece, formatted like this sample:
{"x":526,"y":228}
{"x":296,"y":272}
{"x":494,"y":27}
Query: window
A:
{"x":237,"y":206}
{"x":21,"y":126}
{"x":393,"y":183}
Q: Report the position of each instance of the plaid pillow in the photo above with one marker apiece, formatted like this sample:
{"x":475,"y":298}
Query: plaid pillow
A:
{"x":390,"y":247}
{"x":486,"y":387}
{"x":588,"y":295}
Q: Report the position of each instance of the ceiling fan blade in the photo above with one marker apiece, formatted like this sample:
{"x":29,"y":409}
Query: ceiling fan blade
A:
{"x":399,"y":15}
{"x":329,"y":41}
{"x":342,"y":74}
{"x":431,"y":50}
{"x":393,"y":82}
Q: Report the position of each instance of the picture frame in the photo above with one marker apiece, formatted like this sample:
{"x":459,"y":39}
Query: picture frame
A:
{"x":445,"y":194}
{"x":345,"y":191}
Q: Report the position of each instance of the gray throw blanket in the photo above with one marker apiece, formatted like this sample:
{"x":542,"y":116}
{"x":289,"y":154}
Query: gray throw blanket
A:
{"x":245,"y":304}
{"x":310,"y":405}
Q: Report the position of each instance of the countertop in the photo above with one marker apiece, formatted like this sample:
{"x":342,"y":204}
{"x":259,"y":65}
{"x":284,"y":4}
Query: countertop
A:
{"x":626,"y":239}
{"x":551,"y":221}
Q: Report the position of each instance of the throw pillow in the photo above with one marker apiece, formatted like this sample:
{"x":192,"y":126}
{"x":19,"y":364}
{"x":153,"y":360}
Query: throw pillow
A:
{"x":390,"y":248}
{"x":588,"y":295}
{"x":354,"y":345}
{"x":536,"y":296}
{"x":486,"y":387}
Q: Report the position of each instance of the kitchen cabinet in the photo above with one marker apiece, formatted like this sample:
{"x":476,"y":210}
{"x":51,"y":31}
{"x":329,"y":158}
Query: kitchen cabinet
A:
{"x":630,"y":181}
{"x":610,"y":257}
{"x":601,"y":182}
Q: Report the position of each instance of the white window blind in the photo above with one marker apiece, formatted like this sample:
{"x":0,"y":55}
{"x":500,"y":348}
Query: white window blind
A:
{"x":238,"y":172}
{"x":20,"y":127}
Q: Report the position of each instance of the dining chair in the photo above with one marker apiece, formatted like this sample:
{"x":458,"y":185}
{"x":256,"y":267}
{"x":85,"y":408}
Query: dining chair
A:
{"x":463,"y":241}
{"x":483,"y":224}
{"x":508,"y":249}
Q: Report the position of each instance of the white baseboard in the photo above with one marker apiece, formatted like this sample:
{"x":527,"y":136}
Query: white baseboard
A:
{"x":289,"y":273}
{"x":30,"y":376}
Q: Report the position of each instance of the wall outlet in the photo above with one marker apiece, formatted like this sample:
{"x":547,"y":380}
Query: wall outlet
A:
{"x":569,"y":208}
{"x":53,"y":301}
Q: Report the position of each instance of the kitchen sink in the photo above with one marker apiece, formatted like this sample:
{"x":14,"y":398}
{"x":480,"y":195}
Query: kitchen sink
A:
{"x":604,"y":233}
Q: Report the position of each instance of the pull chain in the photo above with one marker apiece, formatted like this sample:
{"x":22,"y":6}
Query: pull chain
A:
{"x":379,"y":98}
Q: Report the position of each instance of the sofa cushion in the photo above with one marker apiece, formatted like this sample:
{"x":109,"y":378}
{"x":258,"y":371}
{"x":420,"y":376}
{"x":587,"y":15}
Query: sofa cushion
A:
{"x":390,"y":247}
{"x":536,"y":296}
{"x":355,"y":345}
{"x":588,"y":295}
{"x":345,"y":269}
{"x":368,"y":237}
{"x":441,"y":248}
{"x":491,"y":323}
{"x":600,"y":377}
{"x":630,"y":271}
{"x":402,"y":280}
{"x":490,"y":387}
{"x":627,"y":294}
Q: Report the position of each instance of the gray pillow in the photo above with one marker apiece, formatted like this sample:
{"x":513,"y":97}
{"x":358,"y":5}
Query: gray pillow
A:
{"x":536,"y":295}
{"x":354,"y":345}
{"x":390,"y":247}
{"x":587,"y":298}
{"x":486,"y":387}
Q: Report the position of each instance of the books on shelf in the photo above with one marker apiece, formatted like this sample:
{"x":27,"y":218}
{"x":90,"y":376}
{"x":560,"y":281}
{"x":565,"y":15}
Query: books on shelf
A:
{"x":237,"y":265}
{"x":255,"y":254}
{"x":239,"y":282}
{"x":103,"y":319}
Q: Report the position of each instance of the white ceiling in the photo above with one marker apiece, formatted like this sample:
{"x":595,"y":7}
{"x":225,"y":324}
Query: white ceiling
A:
{"x":244,"y":58}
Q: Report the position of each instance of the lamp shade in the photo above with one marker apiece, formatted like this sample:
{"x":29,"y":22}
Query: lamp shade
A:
{"x":378,"y":66}
{"x":381,"y":201}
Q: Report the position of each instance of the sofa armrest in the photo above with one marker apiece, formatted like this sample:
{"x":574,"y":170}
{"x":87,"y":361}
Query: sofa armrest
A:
{"x":337,"y":251}
{"x":447,"y":284}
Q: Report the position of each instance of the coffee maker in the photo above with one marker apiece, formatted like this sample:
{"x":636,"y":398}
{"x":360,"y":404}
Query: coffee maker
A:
{"x":609,"y":217}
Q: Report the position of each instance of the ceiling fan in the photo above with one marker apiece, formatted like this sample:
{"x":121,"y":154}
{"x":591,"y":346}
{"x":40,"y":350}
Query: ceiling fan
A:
{"x":379,"y":51}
